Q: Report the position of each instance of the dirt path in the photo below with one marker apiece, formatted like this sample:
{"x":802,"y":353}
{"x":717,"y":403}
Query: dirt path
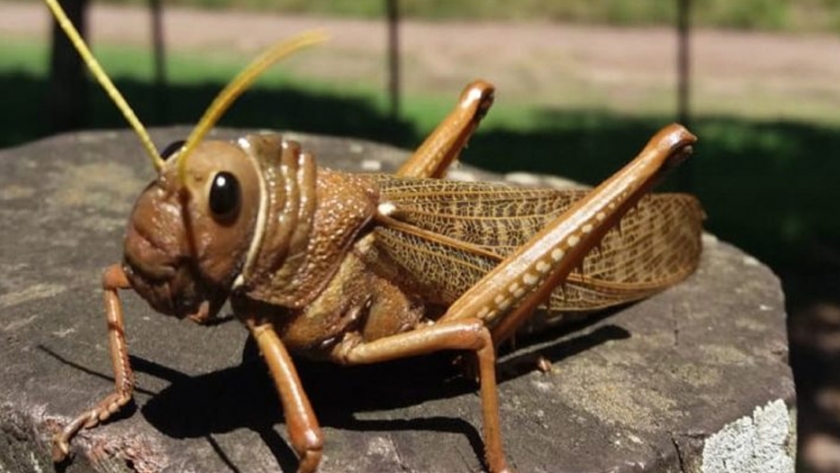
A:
{"x":762,"y":75}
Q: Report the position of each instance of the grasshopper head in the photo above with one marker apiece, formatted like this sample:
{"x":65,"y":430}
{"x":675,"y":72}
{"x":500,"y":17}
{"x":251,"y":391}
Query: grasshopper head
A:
{"x":189,"y":234}
{"x":191,"y":229}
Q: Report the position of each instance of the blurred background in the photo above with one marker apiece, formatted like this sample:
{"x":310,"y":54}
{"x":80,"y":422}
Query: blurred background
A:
{"x":581,"y":85}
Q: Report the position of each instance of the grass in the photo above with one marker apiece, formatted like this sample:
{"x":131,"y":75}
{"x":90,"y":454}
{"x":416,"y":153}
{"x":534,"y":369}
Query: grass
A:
{"x":768,"y":186}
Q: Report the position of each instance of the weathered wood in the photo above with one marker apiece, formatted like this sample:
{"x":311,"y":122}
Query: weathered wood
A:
{"x":695,"y":375}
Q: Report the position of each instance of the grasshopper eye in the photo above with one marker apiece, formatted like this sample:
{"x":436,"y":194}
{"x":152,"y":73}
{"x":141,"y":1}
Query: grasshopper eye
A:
{"x":171,"y":149}
{"x":225,"y":195}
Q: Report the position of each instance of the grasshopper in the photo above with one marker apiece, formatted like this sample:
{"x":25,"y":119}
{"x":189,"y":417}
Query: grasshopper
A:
{"x":364,"y":268}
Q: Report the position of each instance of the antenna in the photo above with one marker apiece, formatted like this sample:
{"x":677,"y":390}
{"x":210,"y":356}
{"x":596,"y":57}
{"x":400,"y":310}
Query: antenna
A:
{"x":105,"y":82}
{"x":241,"y":83}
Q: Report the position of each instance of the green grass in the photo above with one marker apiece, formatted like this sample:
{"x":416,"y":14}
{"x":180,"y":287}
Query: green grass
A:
{"x":768,"y":186}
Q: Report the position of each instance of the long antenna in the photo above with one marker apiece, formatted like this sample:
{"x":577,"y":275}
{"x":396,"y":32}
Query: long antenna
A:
{"x":105,"y":82}
{"x":241,"y":83}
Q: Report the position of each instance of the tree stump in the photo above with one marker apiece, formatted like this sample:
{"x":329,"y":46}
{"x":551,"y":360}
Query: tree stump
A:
{"x":695,"y":379}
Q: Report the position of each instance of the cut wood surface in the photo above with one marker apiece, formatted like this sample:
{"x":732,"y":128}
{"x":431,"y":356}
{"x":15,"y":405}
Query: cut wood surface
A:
{"x":697,"y":375}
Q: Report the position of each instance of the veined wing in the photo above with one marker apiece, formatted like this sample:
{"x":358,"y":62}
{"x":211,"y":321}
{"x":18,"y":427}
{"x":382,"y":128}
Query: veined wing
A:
{"x":447,"y":235}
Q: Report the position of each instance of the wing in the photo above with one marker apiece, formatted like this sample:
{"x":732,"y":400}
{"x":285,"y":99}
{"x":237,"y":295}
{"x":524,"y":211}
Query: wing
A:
{"x":447,"y":235}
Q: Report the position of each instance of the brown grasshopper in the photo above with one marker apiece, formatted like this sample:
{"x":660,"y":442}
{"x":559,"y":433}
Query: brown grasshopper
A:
{"x":364,"y":268}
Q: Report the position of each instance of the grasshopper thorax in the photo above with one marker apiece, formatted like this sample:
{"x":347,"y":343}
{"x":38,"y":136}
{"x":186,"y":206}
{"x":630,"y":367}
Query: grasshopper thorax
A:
{"x":189,"y":235}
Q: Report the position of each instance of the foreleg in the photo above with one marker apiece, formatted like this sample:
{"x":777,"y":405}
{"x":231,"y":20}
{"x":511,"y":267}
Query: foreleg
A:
{"x":113,"y":279}
{"x":304,"y":431}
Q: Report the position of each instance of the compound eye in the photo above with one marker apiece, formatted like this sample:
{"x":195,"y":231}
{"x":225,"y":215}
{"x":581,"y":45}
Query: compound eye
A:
{"x":225,"y":195}
{"x":171,"y":149}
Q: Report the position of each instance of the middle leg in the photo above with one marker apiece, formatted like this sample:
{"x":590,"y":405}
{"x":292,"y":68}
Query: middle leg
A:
{"x":464,"y":334}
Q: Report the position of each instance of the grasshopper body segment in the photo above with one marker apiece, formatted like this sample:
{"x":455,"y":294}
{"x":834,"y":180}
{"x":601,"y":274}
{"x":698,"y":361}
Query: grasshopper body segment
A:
{"x":364,"y":268}
{"x":311,"y":217}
